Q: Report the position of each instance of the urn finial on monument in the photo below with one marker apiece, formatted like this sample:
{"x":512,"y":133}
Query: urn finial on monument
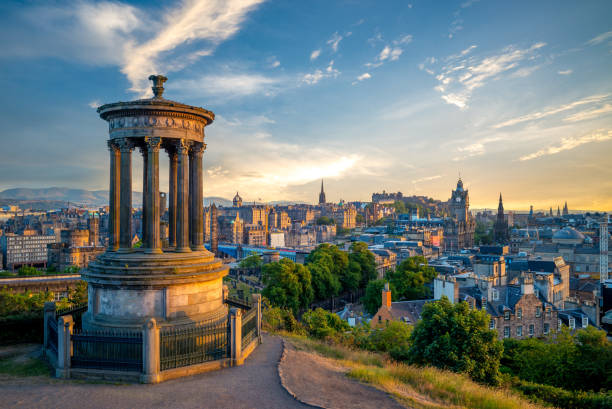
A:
{"x":158,"y":85}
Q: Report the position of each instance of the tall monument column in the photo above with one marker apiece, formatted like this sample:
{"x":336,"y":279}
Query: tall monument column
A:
{"x":145,"y":196}
{"x":172,"y":197}
{"x":182,"y":211}
{"x":197,"y":216}
{"x":152,"y":242}
{"x":113,"y":210}
{"x":125,"y":207}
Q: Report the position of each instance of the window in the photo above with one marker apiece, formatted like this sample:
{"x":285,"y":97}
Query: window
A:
{"x":519,"y":331}
{"x":538,"y":311}
{"x":546,"y":328}
{"x":495,"y":294}
{"x":519,"y":313}
{"x":506,"y":332}
{"x":572,"y":323}
{"x":379,"y":318}
{"x":492,"y":324}
{"x":506,"y":315}
{"x":548,"y":312}
{"x":585,"y":322}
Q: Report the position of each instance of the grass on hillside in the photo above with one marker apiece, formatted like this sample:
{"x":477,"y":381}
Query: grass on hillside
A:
{"x":23,"y":367}
{"x":427,"y":388}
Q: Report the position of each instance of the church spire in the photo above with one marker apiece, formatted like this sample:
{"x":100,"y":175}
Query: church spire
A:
{"x":322,"y":194}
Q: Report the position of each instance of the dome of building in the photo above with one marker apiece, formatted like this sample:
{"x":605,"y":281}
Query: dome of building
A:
{"x":237,"y":201}
{"x":568,"y":233}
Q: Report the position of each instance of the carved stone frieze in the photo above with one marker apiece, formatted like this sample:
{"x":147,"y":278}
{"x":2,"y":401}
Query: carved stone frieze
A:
{"x":155,"y":122}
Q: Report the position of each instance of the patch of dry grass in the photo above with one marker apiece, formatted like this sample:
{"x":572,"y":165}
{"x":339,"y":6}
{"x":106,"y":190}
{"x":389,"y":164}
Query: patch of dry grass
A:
{"x":427,"y":388}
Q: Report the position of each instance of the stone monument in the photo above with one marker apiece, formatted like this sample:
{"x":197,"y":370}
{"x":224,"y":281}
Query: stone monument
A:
{"x":182,"y":283}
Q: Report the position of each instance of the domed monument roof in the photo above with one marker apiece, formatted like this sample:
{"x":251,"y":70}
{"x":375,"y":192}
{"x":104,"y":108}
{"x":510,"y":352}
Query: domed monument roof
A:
{"x":568,"y":233}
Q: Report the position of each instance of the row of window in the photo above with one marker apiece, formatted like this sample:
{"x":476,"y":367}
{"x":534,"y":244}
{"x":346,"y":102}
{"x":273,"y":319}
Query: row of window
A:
{"x":519,"y":313}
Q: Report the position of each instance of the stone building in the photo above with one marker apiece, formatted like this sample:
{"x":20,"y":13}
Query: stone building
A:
{"x":76,"y":247}
{"x":408,"y":312}
{"x":322,"y":195}
{"x":29,"y":249}
{"x":460,"y":226}
{"x":231,"y":228}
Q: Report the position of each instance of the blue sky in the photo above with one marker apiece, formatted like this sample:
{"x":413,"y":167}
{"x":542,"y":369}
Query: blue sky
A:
{"x":369,"y":95}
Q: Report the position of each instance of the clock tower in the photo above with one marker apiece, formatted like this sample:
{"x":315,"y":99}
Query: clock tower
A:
{"x":459,"y":203}
{"x":460,"y":226}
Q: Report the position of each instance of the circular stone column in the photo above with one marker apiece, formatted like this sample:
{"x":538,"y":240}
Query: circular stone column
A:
{"x":128,"y":287}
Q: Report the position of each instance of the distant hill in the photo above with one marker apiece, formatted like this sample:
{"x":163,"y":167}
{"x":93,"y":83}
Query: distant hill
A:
{"x":57,"y":197}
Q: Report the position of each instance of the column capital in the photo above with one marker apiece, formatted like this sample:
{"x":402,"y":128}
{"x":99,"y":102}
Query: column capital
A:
{"x":198,"y":148}
{"x":183,"y":146}
{"x":153,"y":143}
{"x":125,"y":145}
{"x":112,"y":145}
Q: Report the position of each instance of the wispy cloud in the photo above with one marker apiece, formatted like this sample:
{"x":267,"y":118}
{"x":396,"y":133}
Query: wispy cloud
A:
{"x":589,"y":114}
{"x":427,"y":179}
{"x":362,"y":77}
{"x":273,"y":62}
{"x":600,"y":38}
{"x":565,"y":72}
{"x":315,"y":54}
{"x":390,"y":52}
{"x":318,"y":74}
{"x":230,"y":85}
{"x":334,"y":41}
{"x":461,"y":76}
{"x":94,"y":104}
{"x":569,"y":144}
{"x":139,"y":42}
{"x":552,"y":111}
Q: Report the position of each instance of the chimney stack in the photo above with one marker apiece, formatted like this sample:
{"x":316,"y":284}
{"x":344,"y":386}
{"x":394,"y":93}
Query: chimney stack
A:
{"x":386,"y":296}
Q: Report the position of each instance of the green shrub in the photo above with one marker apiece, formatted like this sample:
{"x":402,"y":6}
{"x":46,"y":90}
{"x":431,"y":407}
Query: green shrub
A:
{"x":323,"y":324}
{"x":563,"y":398}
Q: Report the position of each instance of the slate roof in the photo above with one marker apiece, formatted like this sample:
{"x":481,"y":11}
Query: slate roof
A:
{"x":407,"y":311}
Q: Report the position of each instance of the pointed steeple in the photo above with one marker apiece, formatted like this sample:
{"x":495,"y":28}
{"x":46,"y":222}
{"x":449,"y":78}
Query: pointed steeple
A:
{"x":565,"y":210}
{"x":322,"y":194}
{"x":500,"y":207}
{"x":558,"y":211}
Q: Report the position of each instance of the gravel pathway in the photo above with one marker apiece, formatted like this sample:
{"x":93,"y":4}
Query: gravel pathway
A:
{"x":256,"y":384}
{"x":322,"y":383}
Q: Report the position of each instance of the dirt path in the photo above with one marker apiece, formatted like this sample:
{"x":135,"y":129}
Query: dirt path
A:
{"x":254,"y":385}
{"x":321,"y":382}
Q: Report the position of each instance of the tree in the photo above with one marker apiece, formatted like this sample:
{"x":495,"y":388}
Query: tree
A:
{"x":322,"y":324}
{"x":483,"y":233}
{"x":287,"y":285}
{"x":458,"y":338}
{"x":324,"y":220}
{"x":28,"y":271}
{"x":400,"y":207}
{"x":324,"y":283}
{"x":373,"y":295}
{"x":360,"y":254}
{"x":250,"y":262}
{"x":78,"y":295}
{"x":410,"y":277}
{"x":71,"y":270}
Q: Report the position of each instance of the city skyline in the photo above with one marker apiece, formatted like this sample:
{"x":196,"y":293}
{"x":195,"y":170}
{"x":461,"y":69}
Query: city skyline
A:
{"x":526,"y":98}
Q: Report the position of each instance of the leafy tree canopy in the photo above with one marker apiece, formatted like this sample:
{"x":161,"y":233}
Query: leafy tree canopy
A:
{"x":252,"y":261}
{"x":287,"y":285}
{"x":373,"y":295}
{"x":410,"y":278}
{"x":324,"y":220}
{"x":456,"y":337}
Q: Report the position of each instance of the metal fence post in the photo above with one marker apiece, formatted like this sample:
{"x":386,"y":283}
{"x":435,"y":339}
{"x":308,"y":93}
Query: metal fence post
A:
{"x":64,"y":346}
{"x":150,"y":352}
{"x":236,"y":328}
{"x":49,"y":314}
{"x":257,"y":305}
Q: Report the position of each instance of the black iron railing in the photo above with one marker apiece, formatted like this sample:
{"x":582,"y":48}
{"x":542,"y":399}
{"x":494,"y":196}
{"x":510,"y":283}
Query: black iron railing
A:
{"x":239,"y":303}
{"x":76,"y":311}
{"x":52,"y":335}
{"x":107,"y":350}
{"x":249,"y":327}
{"x":194,"y":344}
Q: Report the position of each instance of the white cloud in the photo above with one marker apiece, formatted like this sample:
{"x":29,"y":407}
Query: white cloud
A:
{"x":589,"y":114}
{"x":334,"y":41}
{"x":600,"y":38}
{"x":463,"y":74}
{"x":384,"y":54}
{"x":403,"y":40}
{"x":551,"y":111}
{"x":570,"y":143}
{"x":94,"y":104}
{"x":565,"y":72}
{"x":427,"y":179}
{"x":140,"y":43}
{"x":230,"y":85}
{"x":315,"y":54}
{"x":212,"y":21}
{"x":273,"y":62}
{"x":318,"y":75}
{"x":362,"y":77}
